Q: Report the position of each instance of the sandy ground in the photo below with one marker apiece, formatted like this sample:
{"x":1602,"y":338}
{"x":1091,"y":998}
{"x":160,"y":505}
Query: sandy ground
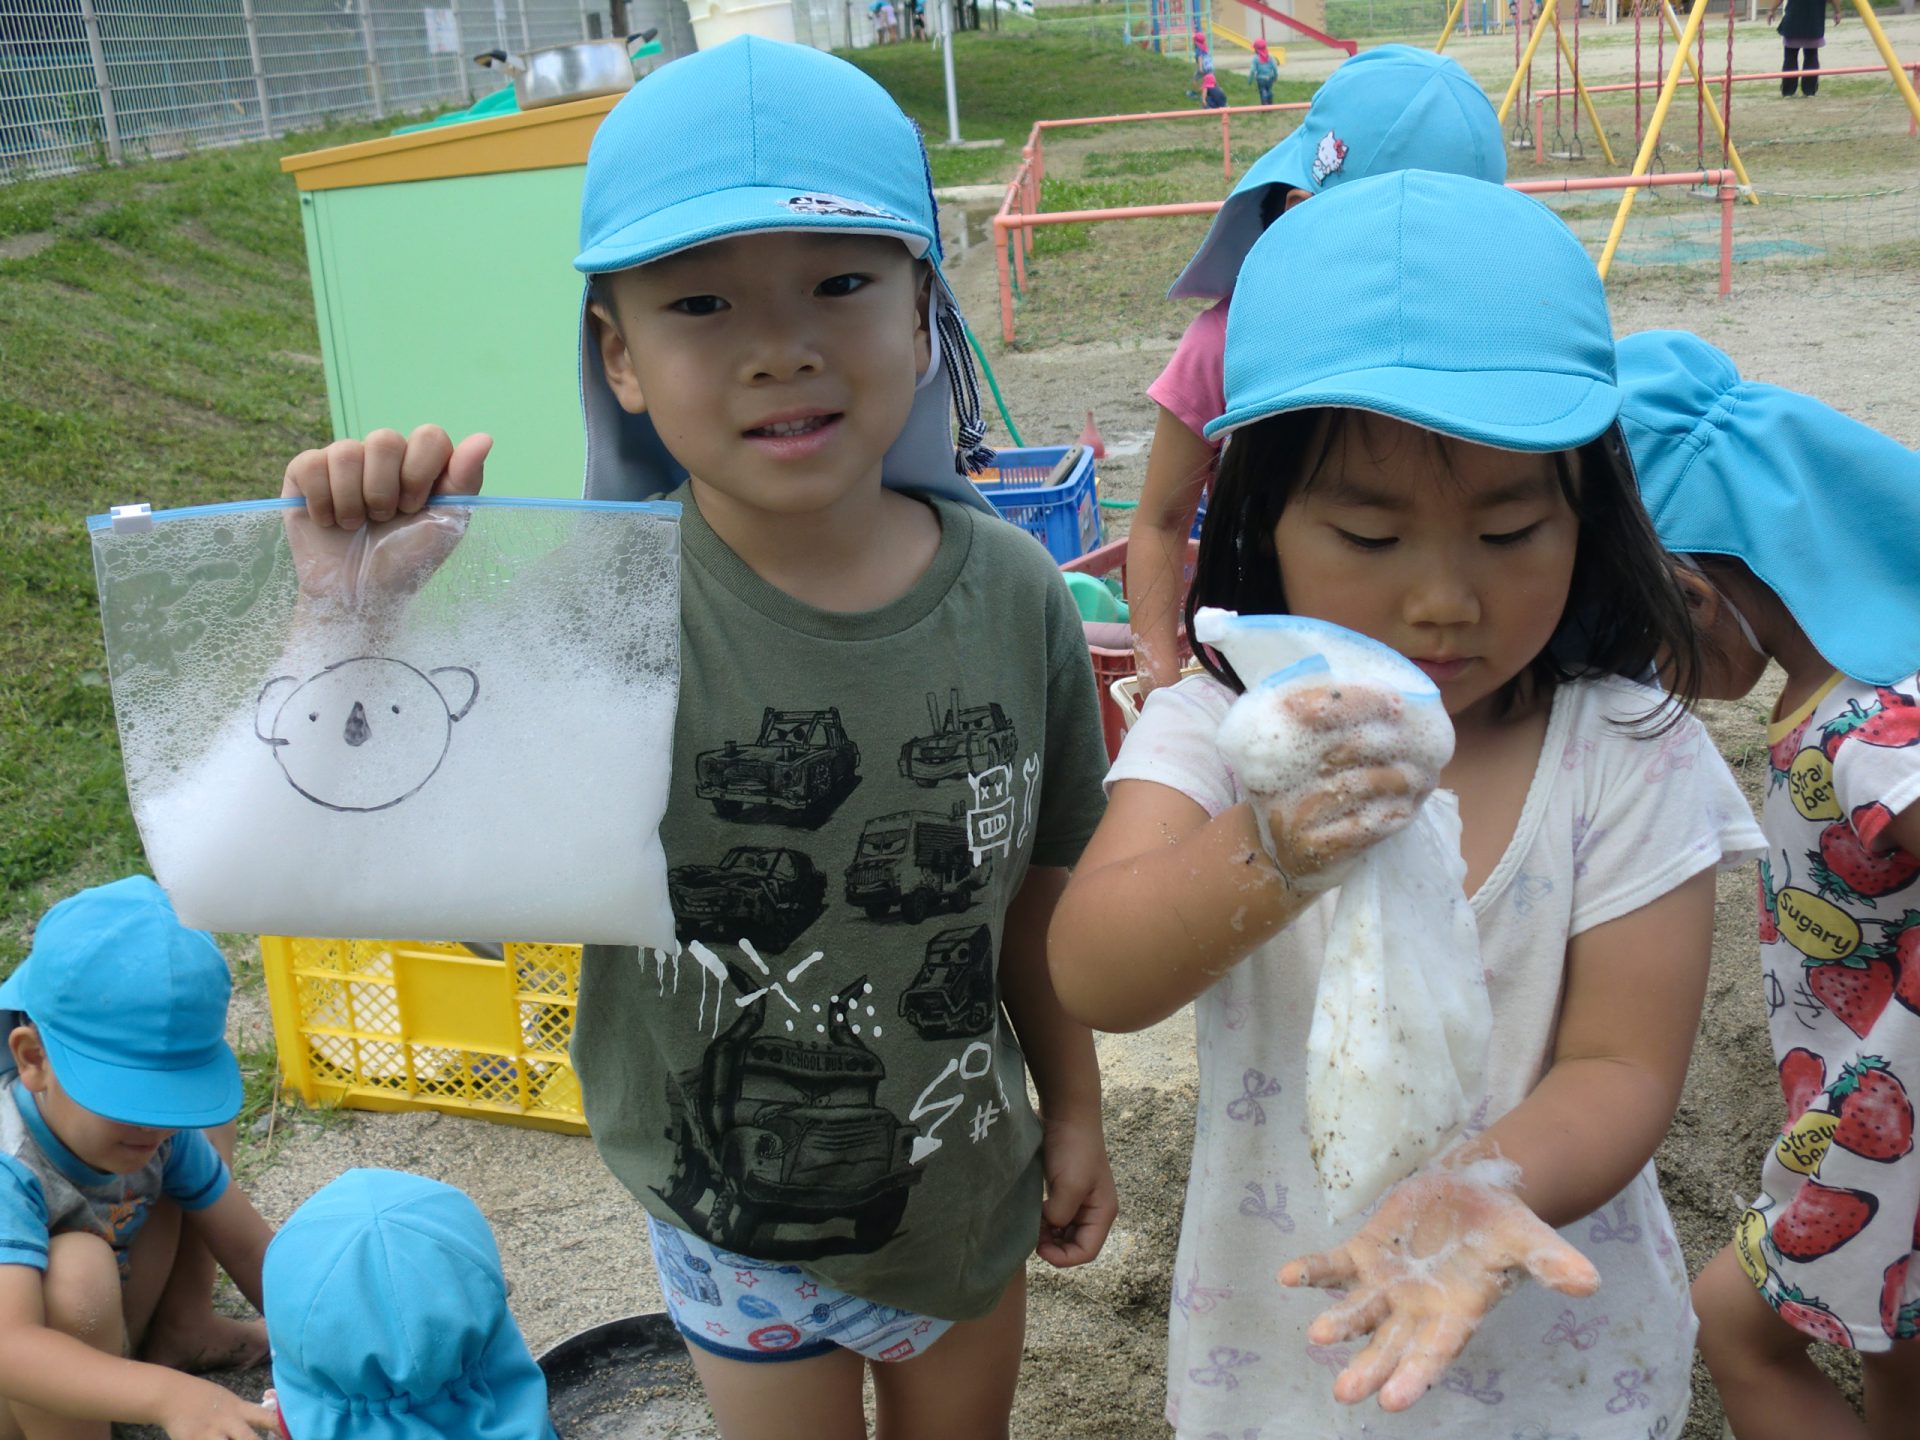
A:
{"x":572,"y":1240}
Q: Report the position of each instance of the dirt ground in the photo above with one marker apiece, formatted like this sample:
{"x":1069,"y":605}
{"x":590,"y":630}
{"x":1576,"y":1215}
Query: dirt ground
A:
{"x":572,"y":1240}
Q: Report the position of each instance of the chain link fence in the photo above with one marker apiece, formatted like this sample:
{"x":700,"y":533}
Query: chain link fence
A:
{"x":91,"y":82}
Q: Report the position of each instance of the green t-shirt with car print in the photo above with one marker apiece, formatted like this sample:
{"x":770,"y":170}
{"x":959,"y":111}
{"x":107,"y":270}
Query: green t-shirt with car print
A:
{"x":823,"y":1074}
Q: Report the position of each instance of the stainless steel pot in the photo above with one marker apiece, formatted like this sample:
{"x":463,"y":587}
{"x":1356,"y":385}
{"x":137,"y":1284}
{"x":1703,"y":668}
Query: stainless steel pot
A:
{"x":567,"y":72}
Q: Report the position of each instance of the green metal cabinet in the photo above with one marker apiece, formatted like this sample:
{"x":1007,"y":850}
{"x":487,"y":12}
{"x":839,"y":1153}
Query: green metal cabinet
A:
{"x":443,"y":284}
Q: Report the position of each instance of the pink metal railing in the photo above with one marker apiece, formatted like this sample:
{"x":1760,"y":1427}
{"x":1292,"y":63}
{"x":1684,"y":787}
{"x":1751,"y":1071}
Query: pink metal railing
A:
{"x":1014,"y":225}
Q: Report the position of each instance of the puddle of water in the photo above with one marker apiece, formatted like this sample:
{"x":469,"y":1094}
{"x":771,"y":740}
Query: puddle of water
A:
{"x":1127,"y":442}
{"x":964,"y":227}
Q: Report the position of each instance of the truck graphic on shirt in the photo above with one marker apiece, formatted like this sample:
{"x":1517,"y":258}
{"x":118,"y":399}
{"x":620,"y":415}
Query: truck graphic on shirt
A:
{"x":918,"y":860}
{"x":802,"y":764}
{"x":782,"y":1129}
{"x":952,"y":997}
{"x":768,"y":894}
{"x":965,"y":740}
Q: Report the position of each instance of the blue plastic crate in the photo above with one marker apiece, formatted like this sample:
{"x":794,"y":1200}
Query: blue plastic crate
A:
{"x":1064,"y":517}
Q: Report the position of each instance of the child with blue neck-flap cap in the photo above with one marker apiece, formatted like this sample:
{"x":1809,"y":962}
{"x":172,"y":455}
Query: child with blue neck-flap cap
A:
{"x":387,"y":1311}
{"x":887,"y":753}
{"x":1796,"y":527}
{"x":114,"y":1203}
{"x":1393,"y":108}
{"x":1430,"y":459}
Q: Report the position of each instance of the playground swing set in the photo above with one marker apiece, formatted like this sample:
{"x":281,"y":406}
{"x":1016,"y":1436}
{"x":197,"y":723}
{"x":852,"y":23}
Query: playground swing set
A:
{"x":1690,"y":55}
{"x":1020,"y":211}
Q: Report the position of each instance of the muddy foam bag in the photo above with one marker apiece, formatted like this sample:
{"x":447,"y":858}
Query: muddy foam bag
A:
{"x":1396,"y":1055}
{"x":452,"y":725}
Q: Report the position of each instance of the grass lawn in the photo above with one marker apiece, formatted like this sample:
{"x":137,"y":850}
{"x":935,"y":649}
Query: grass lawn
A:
{"x":157,"y":343}
{"x":1006,"y":82}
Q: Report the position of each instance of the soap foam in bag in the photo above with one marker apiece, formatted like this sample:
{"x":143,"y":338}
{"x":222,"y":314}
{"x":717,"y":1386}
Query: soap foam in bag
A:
{"x":478,"y":750}
{"x":1396,"y":1054}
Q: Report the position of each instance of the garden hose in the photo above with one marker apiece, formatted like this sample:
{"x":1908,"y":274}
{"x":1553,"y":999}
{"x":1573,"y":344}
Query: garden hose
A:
{"x":994,"y":386}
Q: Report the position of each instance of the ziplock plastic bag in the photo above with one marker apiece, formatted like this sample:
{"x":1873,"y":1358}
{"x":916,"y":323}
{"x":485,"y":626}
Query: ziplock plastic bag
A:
{"x":455,"y":724}
{"x":1396,"y":1055}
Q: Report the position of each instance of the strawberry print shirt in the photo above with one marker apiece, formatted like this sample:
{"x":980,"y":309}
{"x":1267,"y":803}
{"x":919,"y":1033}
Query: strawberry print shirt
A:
{"x":1613,"y":820}
{"x":1830,"y":1238}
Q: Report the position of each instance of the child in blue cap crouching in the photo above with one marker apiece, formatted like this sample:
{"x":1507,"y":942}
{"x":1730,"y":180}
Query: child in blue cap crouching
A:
{"x":388,"y":1315}
{"x":109,"y":1187}
{"x":887,"y":714}
{"x":1795,"y":527}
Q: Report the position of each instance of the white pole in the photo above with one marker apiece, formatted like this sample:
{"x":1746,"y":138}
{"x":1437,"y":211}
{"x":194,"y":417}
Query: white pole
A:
{"x":946,"y":45}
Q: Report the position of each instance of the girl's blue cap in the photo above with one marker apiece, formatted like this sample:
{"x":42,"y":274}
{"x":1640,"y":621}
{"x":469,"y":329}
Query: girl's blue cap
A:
{"x":1360,"y":301}
{"x":131,"y":1006}
{"x":1394,"y":108}
{"x":387,"y":1312}
{"x":1823,"y":509}
{"x":752,"y":135}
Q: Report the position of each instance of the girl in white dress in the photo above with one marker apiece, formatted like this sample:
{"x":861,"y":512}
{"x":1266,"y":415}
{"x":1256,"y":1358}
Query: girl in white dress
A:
{"x":1431,"y":460}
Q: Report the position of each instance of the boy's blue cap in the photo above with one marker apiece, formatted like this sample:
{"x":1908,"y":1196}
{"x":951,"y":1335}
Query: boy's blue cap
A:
{"x":1394,"y":108}
{"x":752,"y":135}
{"x":387,"y":1312}
{"x":1823,"y":509}
{"x":755,"y":136}
{"x":1516,"y":357}
{"x":131,"y":1007}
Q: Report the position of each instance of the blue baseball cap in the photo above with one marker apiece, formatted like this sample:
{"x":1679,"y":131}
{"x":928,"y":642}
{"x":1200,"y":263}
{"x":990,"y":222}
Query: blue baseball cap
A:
{"x":387,"y":1313}
{"x":752,"y":135}
{"x":1515,"y":357}
{"x":798,"y":140}
{"x":1394,"y":108}
{"x":1822,"y":508}
{"x":131,"y":1007}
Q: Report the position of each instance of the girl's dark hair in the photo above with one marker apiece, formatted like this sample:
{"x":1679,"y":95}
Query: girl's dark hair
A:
{"x":1273,"y":203}
{"x":1624,"y":609}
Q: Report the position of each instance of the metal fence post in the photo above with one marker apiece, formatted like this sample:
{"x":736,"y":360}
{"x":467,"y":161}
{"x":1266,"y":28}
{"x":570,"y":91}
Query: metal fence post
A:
{"x":259,"y":71}
{"x":373,"y":63}
{"x":108,"y":120}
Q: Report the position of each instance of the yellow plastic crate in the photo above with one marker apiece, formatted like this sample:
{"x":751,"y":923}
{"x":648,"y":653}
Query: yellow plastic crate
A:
{"x":387,"y":1025}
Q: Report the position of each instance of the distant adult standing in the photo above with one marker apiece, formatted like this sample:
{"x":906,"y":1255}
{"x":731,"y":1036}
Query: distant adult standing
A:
{"x":1803,"y":30}
{"x":1265,"y":71}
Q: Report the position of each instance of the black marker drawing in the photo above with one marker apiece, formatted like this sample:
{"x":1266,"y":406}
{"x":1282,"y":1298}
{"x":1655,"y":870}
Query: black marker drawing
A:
{"x":783,"y":1130}
{"x":966,"y":738}
{"x":918,"y":860}
{"x":767,"y":894}
{"x":364,"y":733}
{"x":803,"y":765}
{"x":951,"y":997}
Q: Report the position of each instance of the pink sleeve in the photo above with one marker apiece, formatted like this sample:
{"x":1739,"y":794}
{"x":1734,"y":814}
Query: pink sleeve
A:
{"x":1191,"y":388}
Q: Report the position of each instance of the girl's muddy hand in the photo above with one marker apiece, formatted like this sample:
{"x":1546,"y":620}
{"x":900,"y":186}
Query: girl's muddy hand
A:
{"x":1444,"y":1248}
{"x":1330,"y":773}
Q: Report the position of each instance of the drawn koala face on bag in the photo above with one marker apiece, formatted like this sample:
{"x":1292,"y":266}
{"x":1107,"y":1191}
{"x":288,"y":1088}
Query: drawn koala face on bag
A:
{"x":363,"y":734}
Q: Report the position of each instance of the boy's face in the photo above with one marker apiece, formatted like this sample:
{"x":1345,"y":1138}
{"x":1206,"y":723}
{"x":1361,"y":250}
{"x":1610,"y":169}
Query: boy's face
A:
{"x":106,"y":1145}
{"x":778,"y":368}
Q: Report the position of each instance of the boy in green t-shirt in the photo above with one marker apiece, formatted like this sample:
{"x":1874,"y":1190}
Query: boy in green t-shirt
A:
{"x":887,"y":753}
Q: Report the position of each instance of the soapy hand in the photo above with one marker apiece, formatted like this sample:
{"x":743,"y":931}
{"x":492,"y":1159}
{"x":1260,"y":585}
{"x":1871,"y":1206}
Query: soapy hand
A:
{"x":1445,"y":1247}
{"x":1332,"y":769}
{"x":195,"y":1409}
{"x":366,"y":532}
